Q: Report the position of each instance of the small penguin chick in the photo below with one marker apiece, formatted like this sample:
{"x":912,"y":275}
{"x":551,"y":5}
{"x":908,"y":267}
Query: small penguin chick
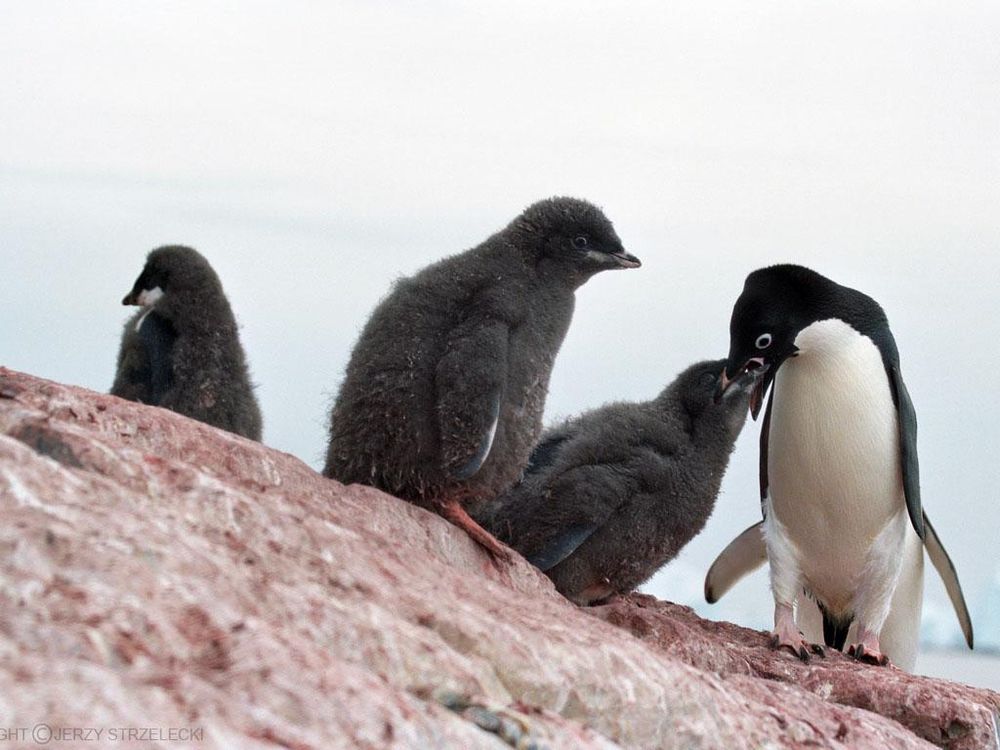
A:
{"x":611,"y":496}
{"x":443,"y":396}
{"x":181,"y":350}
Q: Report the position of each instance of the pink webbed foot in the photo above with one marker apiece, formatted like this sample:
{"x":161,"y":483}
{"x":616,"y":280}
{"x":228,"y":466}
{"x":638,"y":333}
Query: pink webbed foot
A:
{"x":867,"y":649}
{"x":787,"y":635}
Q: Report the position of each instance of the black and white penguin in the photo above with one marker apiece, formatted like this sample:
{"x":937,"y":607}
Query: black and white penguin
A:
{"x":181,"y":350}
{"x":611,"y":496}
{"x":840,"y":493}
{"x":443,"y":396}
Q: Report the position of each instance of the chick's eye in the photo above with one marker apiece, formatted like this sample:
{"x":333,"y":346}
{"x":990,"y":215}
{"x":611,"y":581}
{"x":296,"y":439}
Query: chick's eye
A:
{"x":763,"y":341}
{"x":708,"y":378}
{"x":580,"y":242}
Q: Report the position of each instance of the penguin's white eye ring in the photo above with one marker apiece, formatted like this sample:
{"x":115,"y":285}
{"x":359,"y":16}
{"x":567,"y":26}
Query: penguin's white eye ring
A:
{"x":580,"y":242}
{"x":763,"y":341}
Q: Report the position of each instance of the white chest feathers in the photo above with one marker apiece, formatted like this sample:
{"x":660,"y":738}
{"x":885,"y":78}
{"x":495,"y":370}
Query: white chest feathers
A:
{"x":147,"y":298}
{"x":833,"y":452}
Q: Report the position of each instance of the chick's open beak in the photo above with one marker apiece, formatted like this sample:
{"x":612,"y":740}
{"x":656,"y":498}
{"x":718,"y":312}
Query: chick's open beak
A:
{"x":723,"y":386}
{"x":754,"y":375}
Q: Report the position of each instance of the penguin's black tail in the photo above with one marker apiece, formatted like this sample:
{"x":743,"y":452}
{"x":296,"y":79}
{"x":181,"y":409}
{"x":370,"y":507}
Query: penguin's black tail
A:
{"x":835,"y":630}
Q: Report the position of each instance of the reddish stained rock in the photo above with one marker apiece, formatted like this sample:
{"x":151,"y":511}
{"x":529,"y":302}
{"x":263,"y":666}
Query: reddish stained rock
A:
{"x":945,"y":713}
{"x":156,"y":572}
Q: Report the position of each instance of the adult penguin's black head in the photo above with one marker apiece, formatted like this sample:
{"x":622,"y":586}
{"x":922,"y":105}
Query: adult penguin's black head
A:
{"x":172,"y":269}
{"x":776,"y":304}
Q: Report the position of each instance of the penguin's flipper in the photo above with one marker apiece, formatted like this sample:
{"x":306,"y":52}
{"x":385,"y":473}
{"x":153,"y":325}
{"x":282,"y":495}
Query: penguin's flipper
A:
{"x":574,"y":503}
{"x":544,"y":454}
{"x":946,"y":569}
{"x":470,"y":380}
{"x":907,"y":446}
{"x":158,"y":336}
{"x":562,"y":546}
{"x":765,"y":429}
{"x":473,"y":465}
{"x":132,"y":372}
{"x":741,"y":556}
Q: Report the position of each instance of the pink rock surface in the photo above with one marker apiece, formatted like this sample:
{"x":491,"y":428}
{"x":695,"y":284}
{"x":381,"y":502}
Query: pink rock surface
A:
{"x":157,"y":573}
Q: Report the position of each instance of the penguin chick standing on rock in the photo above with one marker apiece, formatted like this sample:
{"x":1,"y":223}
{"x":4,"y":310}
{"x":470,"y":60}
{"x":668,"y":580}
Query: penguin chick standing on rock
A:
{"x":613,"y":495}
{"x":840,"y":490}
{"x":181,"y":350}
{"x":443,"y":395}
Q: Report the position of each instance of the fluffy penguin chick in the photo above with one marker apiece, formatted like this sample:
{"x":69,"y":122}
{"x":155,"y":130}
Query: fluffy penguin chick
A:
{"x":443,"y":395}
{"x":181,"y":350}
{"x":840,"y":490}
{"x":611,"y":496}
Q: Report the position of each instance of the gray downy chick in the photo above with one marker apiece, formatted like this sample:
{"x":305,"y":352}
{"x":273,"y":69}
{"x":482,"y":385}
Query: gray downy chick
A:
{"x":181,"y":350}
{"x":611,"y":496}
{"x":443,"y":396}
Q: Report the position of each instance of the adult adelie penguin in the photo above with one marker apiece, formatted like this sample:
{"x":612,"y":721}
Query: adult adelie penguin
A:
{"x":840,"y":489}
{"x":443,"y":395}
{"x":181,"y":350}
{"x":611,"y":496}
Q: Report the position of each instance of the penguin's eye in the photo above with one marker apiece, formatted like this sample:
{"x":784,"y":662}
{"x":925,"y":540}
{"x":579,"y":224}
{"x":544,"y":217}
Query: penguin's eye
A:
{"x":763,"y":341}
{"x":708,"y":378}
{"x":580,"y":242}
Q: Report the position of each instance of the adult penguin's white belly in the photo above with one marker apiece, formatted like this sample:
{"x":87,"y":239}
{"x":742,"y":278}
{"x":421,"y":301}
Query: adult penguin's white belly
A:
{"x":834,"y":474}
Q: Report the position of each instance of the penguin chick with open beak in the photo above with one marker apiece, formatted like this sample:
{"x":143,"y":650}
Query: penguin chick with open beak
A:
{"x":611,"y":496}
{"x":839,"y":481}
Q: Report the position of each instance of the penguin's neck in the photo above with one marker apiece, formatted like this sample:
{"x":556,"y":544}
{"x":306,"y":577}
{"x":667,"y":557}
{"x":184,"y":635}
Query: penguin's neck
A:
{"x":703,"y":424}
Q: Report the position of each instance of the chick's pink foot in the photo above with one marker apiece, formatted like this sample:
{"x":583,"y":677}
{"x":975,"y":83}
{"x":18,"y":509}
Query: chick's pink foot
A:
{"x":454,"y":512}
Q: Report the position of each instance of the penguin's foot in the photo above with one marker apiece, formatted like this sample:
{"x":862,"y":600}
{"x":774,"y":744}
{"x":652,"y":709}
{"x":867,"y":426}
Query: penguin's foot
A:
{"x":594,"y":595}
{"x":454,"y":512}
{"x":867,"y":649}
{"x":787,"y":635}
{"x":798,"y":645}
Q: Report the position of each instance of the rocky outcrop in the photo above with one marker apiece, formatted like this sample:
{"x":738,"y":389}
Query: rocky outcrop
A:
{"x":158,"y":574}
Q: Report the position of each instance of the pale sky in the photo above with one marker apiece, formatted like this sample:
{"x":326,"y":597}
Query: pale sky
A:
{"x":315,"y":152}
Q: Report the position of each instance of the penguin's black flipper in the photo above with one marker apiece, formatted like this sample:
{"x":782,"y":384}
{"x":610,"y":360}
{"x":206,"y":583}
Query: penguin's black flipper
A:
{"x":562,"y":546}
{"x":157,"y":335}
{"x":949,"y":576}
{"x":578,"y":500}
{"x":470,"y":380}
{"x":544,"y":454}
{"x":907,"y":447}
